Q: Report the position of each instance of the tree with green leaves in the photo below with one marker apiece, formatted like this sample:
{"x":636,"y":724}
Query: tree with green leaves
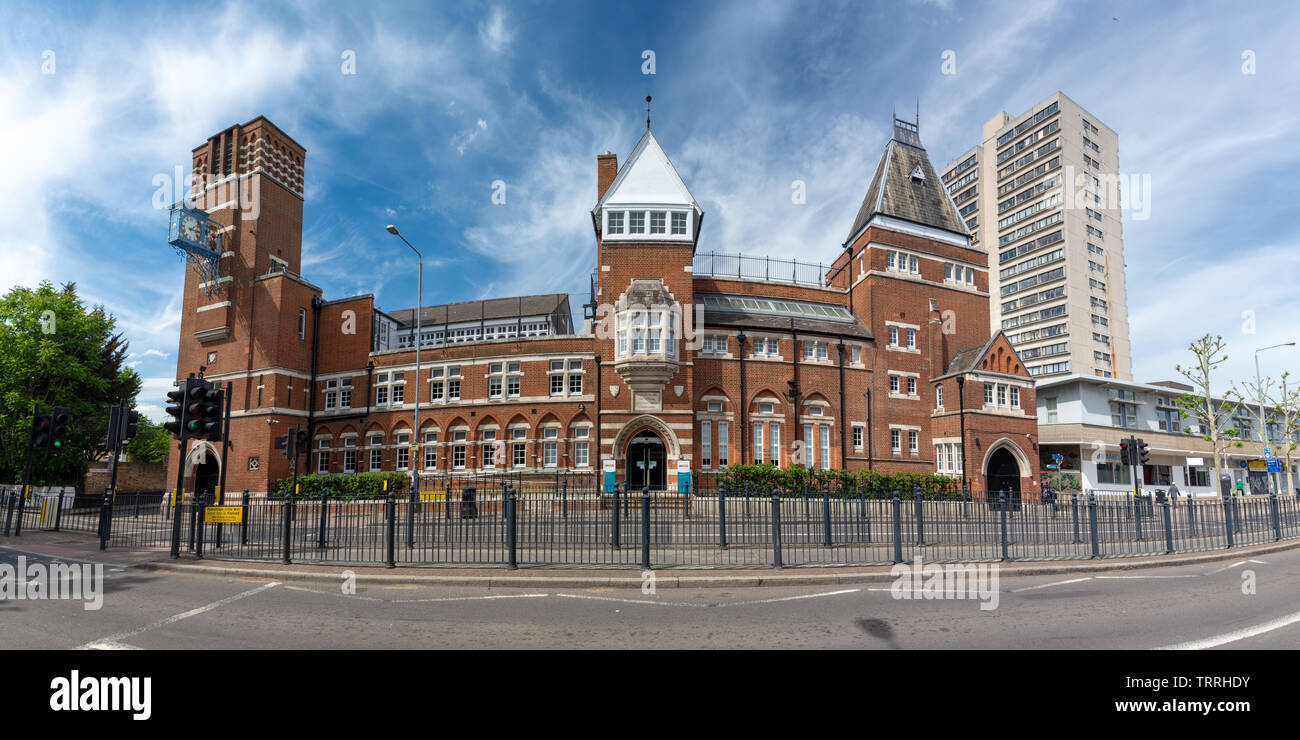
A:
{"x":55,"y":351}
{"x":1286,"y":409}
{"x":150,"y":444}
{"x":1213,"y":416}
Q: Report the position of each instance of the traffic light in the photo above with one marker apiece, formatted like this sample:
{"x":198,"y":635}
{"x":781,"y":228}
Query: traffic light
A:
{"x":41,"y":426}
{"x":132,"y":426}
{"x":301,"y":441}
{"x":1143,"y":457}
{"x":177,"y":411}
{"x":203,"y":410}
{"x":1126,"y":451}
{"x":288,"y":443}
{"x":59,"y":429}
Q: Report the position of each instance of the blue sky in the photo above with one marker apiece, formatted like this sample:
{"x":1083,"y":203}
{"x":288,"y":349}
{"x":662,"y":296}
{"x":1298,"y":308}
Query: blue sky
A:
{"x":749,"y":96}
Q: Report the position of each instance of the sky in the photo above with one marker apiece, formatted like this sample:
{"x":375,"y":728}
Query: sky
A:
{"x":100,"y":101}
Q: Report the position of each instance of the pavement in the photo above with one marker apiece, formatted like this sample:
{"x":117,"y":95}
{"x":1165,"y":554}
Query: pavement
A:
{"x":80,"y":547}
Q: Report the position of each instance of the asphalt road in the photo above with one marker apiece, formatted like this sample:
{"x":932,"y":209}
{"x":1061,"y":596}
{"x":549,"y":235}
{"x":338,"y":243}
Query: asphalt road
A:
{"x":1197,"y":606}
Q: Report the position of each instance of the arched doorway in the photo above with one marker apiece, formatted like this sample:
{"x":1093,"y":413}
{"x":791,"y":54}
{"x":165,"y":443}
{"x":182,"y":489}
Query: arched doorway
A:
{"x":647,"y":459}
{"x":206,"y":477}
{"x":1003,"y":474}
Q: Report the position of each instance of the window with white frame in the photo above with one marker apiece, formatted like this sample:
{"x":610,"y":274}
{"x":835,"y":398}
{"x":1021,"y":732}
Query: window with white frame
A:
{"x":774,"y":443}
{"x":489,"y":456}
{"x":453,"y":383}
{"x":376,"y":451}
{"x":458,"y":439}
{"x":706,"y":443}
{"x":496,"y":379}
{"x":381,"y":389}
{"x":581,"y":447}
{"x":856,"y":355}
{"x":519,"y":448}
{"x":893,"y":336}
{"x":723,"y":444}
{"x":911,"y":386}
{"x":435,"y":384}
{"x":513,"y":379}
{"x":636,"y":222}
{"x":331,"y":394}
{"x":893,"y":384}
{"x":557,"y":377}
{"x":758,"y":442}
{"x":938,"y":397}
{"x":550,"y":447}
{"x":809,"y":446}
{"x":430,"y":450}
{"x":345,"y":393}
{"x":913,"y":441}
{"x":403,"y":451}
{"x":349,"y":455}
{"x":679,"y":223}
{"x":857,"y":437}
{"x":824,"y":446}
{"x":614,"y":222}
{"x":896,"y":440}
{"x":658,"y":222}
{"x":323,"y":456}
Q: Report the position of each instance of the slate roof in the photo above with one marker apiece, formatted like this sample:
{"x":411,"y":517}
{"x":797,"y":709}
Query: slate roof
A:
{"x":488,"y":310}
{"x":966,"y":360}
{"x":894,"y":192}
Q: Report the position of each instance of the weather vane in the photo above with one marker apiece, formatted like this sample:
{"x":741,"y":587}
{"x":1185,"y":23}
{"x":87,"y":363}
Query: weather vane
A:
{"x":647,"y":112}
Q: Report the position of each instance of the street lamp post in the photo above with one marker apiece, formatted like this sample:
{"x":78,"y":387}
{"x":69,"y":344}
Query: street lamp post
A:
{"x":419,"y":309}
{"x":1259,"y":398}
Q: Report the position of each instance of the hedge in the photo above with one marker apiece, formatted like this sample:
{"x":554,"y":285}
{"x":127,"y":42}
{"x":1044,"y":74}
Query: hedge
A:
{"x":343,"y":486}
{"x":794,"y":481}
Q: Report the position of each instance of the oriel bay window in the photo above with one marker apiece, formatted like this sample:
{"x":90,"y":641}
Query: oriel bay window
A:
{"x":651,"y":332}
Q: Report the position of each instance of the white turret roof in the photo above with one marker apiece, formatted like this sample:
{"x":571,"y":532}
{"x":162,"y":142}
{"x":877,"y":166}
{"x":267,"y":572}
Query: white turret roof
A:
{"x":648,"y":178}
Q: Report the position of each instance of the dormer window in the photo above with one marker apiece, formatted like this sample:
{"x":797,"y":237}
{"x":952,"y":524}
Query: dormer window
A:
{"x":625,"y":223}
{"x":615,"y":222}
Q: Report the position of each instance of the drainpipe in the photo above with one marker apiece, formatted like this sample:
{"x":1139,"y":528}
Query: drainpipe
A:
{"x":961,"y":403}
{"x":600,"y":443}
{"x":844,"y":449}
{"x":871,"y":447}
{"x":744,"y":400}
{"x":316,"y":304}
{"x":794,"y":389}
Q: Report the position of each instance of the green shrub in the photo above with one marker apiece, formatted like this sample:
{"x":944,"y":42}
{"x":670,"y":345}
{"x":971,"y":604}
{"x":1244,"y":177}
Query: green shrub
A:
{"x":343,"y":486}
{"x":759,"y":480}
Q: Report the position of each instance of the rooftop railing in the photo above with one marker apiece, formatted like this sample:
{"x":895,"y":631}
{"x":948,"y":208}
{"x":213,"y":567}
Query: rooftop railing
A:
{"x":741,"y":267}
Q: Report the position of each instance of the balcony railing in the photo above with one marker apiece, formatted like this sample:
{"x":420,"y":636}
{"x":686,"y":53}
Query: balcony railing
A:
{"x":740,"y":267}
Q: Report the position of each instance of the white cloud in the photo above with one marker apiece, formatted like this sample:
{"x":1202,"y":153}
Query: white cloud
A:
{"x":493,"y":31}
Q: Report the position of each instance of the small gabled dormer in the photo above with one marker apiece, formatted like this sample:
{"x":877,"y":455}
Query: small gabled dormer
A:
{"x":647,"y":201}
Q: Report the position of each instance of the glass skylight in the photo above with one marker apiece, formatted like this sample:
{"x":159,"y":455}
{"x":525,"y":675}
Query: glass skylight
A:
{"x":774,"y":307}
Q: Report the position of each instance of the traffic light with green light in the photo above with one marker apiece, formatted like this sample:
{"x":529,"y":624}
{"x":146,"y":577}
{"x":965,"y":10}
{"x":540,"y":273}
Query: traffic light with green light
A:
{"x":59,"y":429}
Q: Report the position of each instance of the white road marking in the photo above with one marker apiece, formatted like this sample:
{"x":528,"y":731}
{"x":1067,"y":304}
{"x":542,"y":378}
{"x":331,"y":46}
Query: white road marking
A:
{"x":178,"y":617}
{"x":415,"y":601}
{"x":1235,"y":635}
{"x":1235,"y":565}
{"x":1045,"y":585}
{"x":1190,"y":575}
{"x":106,"y":645}
{"x":654,"y":602}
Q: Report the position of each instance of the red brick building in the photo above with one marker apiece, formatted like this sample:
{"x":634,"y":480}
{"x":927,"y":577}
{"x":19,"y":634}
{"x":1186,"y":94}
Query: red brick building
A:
{"x":688,"y":363}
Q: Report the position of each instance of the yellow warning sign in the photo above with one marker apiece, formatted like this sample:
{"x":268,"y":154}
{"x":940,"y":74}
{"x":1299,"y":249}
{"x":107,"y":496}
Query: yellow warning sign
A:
{"x":433,"y":495}
{"x":223,"y":514}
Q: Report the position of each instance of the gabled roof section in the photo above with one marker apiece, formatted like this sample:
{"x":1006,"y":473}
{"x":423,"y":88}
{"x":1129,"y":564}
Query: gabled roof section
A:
{"x":648,"y":178}
{"x":905,"y":186}
{"x":994,"y":356}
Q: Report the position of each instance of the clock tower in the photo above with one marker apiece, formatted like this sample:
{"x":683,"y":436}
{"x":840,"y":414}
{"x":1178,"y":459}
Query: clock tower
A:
{"x":251,"y":323}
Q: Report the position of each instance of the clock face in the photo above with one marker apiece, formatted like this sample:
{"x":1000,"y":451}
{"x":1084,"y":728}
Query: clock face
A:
{"x":190,"y":228}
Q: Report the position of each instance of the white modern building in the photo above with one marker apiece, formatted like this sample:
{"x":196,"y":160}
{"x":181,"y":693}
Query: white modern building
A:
{"x":1083,"y":418}
{"x":1040,"y":194}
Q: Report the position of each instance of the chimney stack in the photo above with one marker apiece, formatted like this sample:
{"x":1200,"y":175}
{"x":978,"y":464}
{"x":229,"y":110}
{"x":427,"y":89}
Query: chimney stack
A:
{"x":606,"y":170}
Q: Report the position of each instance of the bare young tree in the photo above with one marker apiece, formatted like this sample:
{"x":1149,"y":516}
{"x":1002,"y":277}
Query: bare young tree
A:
{"x":1213,"y":416}
{"x":1286,"y":408}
